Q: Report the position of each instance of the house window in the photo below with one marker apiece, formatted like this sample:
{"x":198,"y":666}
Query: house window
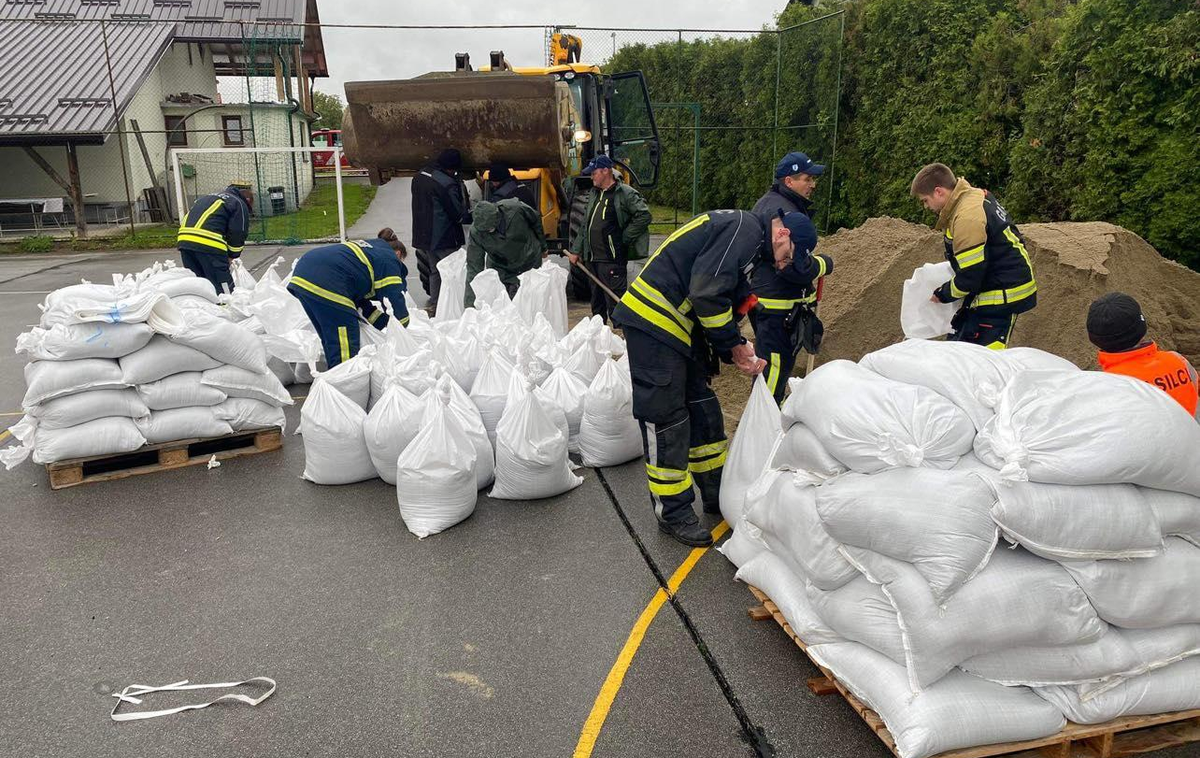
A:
{"x":176,"y":131}
{"x":231,"y":130}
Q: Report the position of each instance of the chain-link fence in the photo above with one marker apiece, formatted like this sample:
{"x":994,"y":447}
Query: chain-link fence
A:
{"x":93,"y":109}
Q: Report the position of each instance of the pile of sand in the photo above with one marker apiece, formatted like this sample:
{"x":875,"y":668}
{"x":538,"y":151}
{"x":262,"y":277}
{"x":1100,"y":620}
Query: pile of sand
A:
{"x":1074,"y":263}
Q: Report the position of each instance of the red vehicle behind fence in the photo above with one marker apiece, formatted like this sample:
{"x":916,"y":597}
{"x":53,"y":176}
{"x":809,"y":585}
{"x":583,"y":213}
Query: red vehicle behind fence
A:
{"x":323,"y":159}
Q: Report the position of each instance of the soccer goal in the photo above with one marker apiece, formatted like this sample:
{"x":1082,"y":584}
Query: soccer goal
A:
{"x":292,"y":202}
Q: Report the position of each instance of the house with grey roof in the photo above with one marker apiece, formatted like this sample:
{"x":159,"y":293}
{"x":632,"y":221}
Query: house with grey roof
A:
{"x":96,"y":93}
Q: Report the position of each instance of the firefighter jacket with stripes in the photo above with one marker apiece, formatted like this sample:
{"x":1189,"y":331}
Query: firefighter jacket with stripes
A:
{"x":993,"y":272}
{"x":779,"y":290}
{"x":688,"y":288}
{"x":216,"y":224}
{"x":352,"y":274}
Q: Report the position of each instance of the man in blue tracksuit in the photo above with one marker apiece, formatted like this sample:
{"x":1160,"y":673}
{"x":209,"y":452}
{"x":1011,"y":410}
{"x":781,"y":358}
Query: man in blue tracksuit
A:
{"x":336,"y":283}
{"x":214,"y":231}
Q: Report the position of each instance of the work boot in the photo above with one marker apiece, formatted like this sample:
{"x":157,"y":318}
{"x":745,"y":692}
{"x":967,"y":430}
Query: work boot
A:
{"x":689,"y":533}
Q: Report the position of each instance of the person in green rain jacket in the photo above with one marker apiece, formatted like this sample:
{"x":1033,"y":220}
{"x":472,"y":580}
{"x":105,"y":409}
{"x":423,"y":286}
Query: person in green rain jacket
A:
{"x":506,"y":236}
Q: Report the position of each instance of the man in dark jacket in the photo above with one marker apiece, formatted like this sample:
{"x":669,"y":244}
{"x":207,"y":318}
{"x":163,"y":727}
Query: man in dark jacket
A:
{"x":503,"y":185}
{"x":616,"y":230}
{"x":214,"y":231}
{"x":506,"y":236}
{"x":795,"y":182}
{"x":439,"y":210}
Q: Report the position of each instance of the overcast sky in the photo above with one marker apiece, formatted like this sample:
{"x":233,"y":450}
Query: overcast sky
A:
{"x":365,"y":54}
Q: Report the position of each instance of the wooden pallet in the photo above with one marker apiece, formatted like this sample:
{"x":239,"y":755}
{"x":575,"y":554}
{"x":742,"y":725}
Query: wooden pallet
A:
{"x":162,"y":457}
{"x":1131,"y":735}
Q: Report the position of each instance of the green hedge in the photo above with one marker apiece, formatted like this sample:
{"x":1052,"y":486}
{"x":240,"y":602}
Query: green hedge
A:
{"x":1084,"y":109}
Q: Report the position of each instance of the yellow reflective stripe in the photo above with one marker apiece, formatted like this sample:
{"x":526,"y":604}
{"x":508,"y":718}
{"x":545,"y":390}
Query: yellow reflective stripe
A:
{"x":362,"y":257}
{"x":211,"y":210}
{"x":666,"y":474}
{"x":374,"y":316}
{"x":822,"y":268}
{"x":404,"y":321}
{"x":775,"y":304}
{"x":322,"y":292}
{"x":712,"y":463}
{"x":971,"y":257}
{"x":949,"y":236}
{"x":344,"y":343}
{"x":717,"y":321}
{"x":1016,"y":242}
{"x":387,"y":281}
{"x":685,"y":307}
{"x":672,"y":488}
{"x":659,"y":299}
{"x":201,"y":232}
{"x":187,"y":237}
{"x":1010,"y":295}
{"x":704,"y":450}
{"x":631,"y":301}
{"x":773,"y":373}
{"x":997,"y":345}
{"x":699,"y":220}
{"x":956,"y":293}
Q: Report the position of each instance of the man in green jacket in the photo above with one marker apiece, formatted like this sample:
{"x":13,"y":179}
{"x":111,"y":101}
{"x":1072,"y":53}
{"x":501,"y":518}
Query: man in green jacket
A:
{"x":616,"y":230}
{"x":507,"y":236}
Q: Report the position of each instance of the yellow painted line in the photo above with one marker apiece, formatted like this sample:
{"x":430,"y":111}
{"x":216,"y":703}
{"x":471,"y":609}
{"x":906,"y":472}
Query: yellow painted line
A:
{"x":13,"y":413}
{"x":616,"y":675}
{"x":299,"y":397}
{"x":5,"y":435}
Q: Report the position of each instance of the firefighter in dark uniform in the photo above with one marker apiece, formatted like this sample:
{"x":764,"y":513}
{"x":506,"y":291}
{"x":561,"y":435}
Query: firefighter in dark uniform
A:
{"x":615,"y":230}
{"x":784,"y":319}
{"x":679,"y":321}
{"x":502,"y":185}
{"x":795,"y":182}
{"x":993,"y":273}
{"x":439,"y":210}
{"x":336,"y":284}
{"x":214,"y":231}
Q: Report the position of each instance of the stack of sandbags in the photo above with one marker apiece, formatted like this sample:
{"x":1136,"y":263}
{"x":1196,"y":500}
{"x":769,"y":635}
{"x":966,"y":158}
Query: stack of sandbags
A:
{"x":876,"y":520}
{"x":151,"y":358}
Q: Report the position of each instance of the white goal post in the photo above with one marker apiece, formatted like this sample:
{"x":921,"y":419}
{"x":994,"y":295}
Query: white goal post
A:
{"x":289,"y":169}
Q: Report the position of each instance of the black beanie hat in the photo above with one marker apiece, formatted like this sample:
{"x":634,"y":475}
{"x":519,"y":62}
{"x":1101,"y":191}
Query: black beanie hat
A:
{"x":450,"y":159}
{"x":1115,"y":323}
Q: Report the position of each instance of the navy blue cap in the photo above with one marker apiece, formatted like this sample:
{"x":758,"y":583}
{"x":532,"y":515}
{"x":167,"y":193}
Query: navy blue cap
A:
{"x":802,"y":230}
{"x":797,"y":163}
{"x":600,"y":161}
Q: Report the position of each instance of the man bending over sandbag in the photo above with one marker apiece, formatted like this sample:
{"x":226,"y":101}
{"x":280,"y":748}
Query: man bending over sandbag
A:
{"x":336,"y":283}
{"x":506,"y":236}
{"x":993,"y":273}
{"x":679,"y":323}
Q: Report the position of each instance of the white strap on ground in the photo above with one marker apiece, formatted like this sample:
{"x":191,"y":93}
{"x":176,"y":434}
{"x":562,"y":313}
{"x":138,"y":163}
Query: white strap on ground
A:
{"x":132,"y":693}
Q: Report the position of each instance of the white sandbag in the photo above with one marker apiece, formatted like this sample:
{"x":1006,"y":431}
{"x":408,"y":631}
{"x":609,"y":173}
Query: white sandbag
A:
{"x":860,"y":611}
{"x":519,"y":385}
{"x":418,"y":372}
{"x":958,"y":712}
{"x":352,"y":378}
{"x":787,"y":517}
{"x":609,"y":435}
{"x":469,"y":419}
{"x":938,"y":521}
{"x":390,"y":426}
{"x":756,"y":435}
{"x":1088,"y":427}
{"x":451,"y":355}
{"x":225,"y":342}
{"x":77,"y":341}
{"x":1073,"y":523}
{"x":243,"y":413}
{"x":282,"y":370}
{"x":182,"y":424}
{"x":435,"y":475}
{"x":179,"y":391}
{"x":531,"y":453}
{"x":180,"y":286}
{"x":335,"y":449}
{"x":160,"y":358}
{"x":870,"y":423}
{"x":744,"y":545}
{"x":1172,"y":688}
{"x":800,"y":450}
{"x":304,"y":372}
{"x":402,"y":341}
{"x":242,"y":278}
{"x":563,"y":389}
{"x":47,"y":380}
{"x":238,"y":382}
{"x":111,"y":305}
{"x":451,"y":296}
{"x":82,"y":407}
{"x":533,"y":294}
{"x":489,"y":290}
{"x":771,"y":575}
{"x":920,"y":318}
{"x":556,"y":308}
{"x":489,"y":393}
{"x":104,"y":436}
{"x":1017,"y":600}
{"x":1154,"y":649}
{"x":1178,"y":514}
{"x":1144,"y":593}
{"x":586,"y":361}
{"x":368,"y":335}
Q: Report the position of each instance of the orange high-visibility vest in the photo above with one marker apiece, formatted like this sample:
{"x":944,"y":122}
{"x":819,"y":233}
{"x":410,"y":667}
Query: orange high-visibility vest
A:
{"x":1164,"y":369}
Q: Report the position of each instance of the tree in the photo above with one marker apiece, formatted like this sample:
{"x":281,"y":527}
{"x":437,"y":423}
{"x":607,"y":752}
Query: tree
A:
{"x":329,"y":111}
